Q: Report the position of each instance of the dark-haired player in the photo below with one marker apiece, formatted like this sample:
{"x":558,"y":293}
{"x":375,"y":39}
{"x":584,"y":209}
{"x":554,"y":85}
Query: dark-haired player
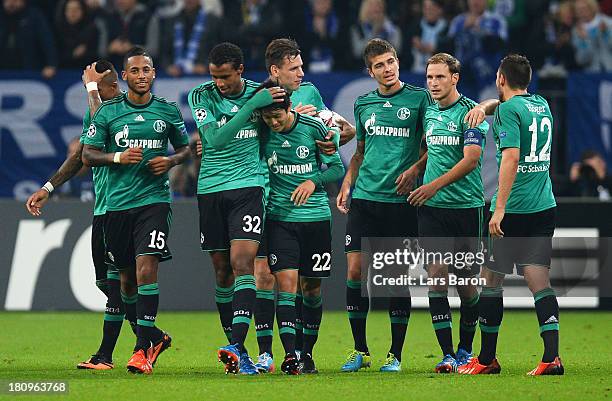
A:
{"x":297,"y":218}
{"x":100,"y":80}
{"x":130,"y":135}
{"x":523,"y":206}
{"x":383,"y":170}
{"x":451,"y":200}
{"x":230,"y":191}
{"x":284,"y":65}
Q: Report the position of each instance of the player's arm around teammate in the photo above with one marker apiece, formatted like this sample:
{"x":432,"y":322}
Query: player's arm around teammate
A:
{"x":73,"y":163}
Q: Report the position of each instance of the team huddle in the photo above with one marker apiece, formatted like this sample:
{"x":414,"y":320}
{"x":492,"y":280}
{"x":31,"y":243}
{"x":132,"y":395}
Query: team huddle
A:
{"x":267,"y":150}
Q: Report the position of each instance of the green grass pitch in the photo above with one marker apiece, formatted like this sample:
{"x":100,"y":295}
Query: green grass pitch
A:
{"x":47,"y":346}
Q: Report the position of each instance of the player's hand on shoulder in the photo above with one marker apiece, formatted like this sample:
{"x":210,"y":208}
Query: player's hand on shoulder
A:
{"x":301,"y":194}
{"x":159,"y":165}
{"x":131,"y":156}
{"x":342,"y":199}
{"x":36,"y":201}
{"x":475,"y":117}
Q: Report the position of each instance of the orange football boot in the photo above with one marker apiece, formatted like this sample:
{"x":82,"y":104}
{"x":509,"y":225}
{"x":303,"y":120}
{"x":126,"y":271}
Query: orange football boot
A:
{"x":474,"y":367}
{"x":548,"y":368}
{"x":96,"y":362}
{"x":139,"y":363}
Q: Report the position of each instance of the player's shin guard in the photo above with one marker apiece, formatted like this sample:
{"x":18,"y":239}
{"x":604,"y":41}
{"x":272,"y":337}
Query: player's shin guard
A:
{"x":285,"y":315}
{"x":399,"y":314}
{"x":442,"y":320}
{"x":242,"y":305}
{"x":264,"y":319}
{"x":146,"y":307}
{"x":312,"y":312}
{"x":490,"y":314}
{"x":223,"y":299}
{"x":547,"y":310}
{"x":113,"y":316}
{"x":357,"y":308}
{"x":299,"y":324}
{"x":468,"y":322}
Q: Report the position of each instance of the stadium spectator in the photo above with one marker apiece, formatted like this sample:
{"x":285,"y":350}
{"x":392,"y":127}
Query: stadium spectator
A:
{"x":321,"y":39}
{"x":26,"y":40}
{"x":592,"y":37}
{"x":251,"y":25}
{"x":130,"y":24}
{"x":186,"y":39}
{"x":479,"y":39}
{"x":373,"y":23}
{"x":590,"y":176}
{"x":563,"y":22}
{"x":77,"y":36}
{"x":432,"y":28}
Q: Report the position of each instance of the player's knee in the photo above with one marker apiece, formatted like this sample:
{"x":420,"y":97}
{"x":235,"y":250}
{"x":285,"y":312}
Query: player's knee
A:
{"x":224,"y":277}
{"x":264,"y":281}
{"x":243,"y":264}
{"x":354,"y":272}
{"x":311,"y":287}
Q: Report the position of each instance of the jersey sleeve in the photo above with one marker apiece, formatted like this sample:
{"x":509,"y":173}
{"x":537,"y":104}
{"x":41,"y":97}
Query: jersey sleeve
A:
{"x":508,"y":127}
{"x":200,"y":108}
{"x":97,"y":132}
{"x":359,"y":129}
{"x":178,"y":135}
{"x":86,"y":123}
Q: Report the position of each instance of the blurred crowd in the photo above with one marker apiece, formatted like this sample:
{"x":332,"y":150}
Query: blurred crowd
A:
{"x":556,"y":35}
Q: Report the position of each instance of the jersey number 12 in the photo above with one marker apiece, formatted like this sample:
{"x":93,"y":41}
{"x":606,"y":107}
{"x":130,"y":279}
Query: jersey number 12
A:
{"x":544,"y":154}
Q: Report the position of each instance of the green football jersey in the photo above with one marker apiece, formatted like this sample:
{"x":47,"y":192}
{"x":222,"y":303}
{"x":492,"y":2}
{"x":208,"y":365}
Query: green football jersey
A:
{"x":446,"y":134}
{"x":293,"y":157}
{"x":525,"y":122}
{"x":119,"y":124}
{"x":100,"y":174}
{"x":238,"y":165}
{"x":307,"y":93}
{"x":391,"y":126}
